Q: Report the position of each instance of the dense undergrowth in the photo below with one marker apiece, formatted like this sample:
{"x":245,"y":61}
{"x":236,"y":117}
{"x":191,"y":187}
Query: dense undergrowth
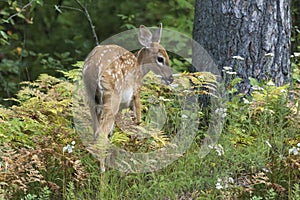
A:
{"x":256,"y":157}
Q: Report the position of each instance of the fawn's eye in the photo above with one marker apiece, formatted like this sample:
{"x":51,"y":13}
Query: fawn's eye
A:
{"x":160,"y":59}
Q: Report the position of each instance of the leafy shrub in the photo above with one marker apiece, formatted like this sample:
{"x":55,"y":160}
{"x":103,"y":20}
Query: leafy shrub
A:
{"x":262,"y":126}
{"x":33,"y":134}
{"x":39,"y":147}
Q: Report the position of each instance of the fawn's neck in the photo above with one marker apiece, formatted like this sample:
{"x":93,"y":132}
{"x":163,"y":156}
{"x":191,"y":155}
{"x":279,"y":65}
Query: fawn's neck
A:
{"x":142,"y":59}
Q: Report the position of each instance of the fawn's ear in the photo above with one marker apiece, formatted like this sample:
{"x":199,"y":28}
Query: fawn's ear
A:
{"x":145,"y":36}
{"x":157,"y":34}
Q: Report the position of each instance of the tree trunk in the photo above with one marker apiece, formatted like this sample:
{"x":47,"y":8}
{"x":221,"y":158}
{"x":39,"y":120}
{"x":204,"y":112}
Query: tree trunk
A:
{"x":256,"y":30}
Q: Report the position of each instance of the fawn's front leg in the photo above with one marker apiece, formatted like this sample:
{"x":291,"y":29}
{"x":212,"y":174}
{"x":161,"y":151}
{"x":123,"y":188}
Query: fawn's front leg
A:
{"x":137,"y":106}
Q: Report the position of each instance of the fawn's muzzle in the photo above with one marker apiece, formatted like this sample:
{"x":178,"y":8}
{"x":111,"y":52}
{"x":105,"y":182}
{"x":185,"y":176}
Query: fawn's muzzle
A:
{"x":168,"y":80}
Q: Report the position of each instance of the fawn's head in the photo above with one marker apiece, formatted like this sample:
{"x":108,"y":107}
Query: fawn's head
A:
{"x":153,"y":56}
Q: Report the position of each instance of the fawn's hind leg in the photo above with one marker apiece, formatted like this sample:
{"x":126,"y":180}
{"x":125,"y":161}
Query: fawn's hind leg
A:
{"x":110,"y":108}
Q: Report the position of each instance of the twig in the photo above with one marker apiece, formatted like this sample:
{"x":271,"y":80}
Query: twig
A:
{"x":86,"y":12}
{"x":22,"y":9}
{"x":57,"y":8}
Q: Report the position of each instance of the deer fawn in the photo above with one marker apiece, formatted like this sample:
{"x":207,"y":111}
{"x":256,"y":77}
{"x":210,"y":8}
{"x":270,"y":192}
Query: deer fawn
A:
{"x":113,"y":77}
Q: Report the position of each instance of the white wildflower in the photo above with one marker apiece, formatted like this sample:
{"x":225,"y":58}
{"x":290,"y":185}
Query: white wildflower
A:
{"x":163,"y":99}
{"x":246,"y":101}
{"x":69,"y":148}
{"x":268,"y":143}
{"x":221,"y":111}
{"x":265,"y":170}
{"x":224,"y":115}
{"x":257,"y":88}
{"x":224,"y":183}
{"x":269,"y":54}
{"x":270,"y":83}
{"x":184,"y":116}
{"x":230,"y":180}
{"x":65,"y":148}
{"x":294,"y":151}
{"x":218,"y":148}
{"x":227,"y":68}
{"x":218,"y":184}
{"x":297,"y":54}
{"x":238,"y":58}
{"x":231,"y":73}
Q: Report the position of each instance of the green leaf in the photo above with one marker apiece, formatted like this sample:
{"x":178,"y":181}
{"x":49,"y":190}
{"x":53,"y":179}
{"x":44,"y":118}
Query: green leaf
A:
{"x":253,"y":81}
{"x":236,"y":81}
{"x":24,"y":53}
{"x":4,"y":35}
{"x":21,"y":16}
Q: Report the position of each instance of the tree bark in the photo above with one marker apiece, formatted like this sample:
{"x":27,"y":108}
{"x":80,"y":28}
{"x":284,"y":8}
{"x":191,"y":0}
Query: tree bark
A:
{"x":259,"y":31}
